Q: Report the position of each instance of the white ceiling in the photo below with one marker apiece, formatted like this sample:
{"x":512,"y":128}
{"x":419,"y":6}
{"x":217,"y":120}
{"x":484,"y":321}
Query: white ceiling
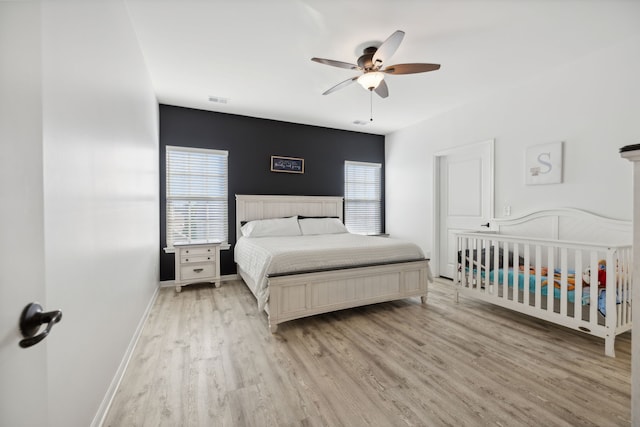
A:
{"x":257,"y":53}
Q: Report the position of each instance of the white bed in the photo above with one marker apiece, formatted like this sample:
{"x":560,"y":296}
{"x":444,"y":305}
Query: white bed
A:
{"x":290,"y":284}
{"x":570,"y":248}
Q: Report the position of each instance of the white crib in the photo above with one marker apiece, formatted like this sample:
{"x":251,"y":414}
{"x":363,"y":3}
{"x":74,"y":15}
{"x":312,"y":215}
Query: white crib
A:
{"x":537,"y":264}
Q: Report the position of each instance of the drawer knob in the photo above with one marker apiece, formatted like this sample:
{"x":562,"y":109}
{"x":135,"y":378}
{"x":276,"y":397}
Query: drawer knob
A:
{"x":198,"y":270}
{"x":186,"y":259}
{"x":209,"y":250}
{"x":187,"y":251}
{"x":208,"y":257}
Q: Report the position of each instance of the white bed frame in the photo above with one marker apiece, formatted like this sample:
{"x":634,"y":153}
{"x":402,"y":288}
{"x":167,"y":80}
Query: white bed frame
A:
{"x":554,"y":238}
{"x":301,"y":295}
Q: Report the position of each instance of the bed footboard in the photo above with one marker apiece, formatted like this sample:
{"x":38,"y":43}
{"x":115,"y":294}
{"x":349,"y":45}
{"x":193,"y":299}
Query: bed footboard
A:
{"x":586,"y":287}
{"x":301,"y":295}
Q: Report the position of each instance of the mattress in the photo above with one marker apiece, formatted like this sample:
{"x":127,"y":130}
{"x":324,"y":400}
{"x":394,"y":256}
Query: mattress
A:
{"x":260,"y":257}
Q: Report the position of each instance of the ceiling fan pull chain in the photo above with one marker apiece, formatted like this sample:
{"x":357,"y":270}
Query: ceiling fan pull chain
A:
{"x":371,"y":104}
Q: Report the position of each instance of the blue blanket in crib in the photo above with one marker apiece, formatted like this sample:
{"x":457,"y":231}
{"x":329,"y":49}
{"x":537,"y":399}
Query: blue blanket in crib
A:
{"x":585,"y":300}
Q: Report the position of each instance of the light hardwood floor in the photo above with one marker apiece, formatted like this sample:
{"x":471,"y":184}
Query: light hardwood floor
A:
{"x":206,"y":358}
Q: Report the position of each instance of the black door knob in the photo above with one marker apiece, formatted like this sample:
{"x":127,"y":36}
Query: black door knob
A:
{"x":30,"y":320}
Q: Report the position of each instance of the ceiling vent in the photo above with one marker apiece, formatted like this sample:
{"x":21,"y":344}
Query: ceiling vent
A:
{"x":219,"y":99}
{"x":360,"y":122}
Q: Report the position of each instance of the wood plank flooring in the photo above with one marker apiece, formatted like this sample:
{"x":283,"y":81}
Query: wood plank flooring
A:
{"x":206,"y":358}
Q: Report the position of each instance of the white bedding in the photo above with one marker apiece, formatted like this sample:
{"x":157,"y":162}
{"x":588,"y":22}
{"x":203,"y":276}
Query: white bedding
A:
{"x":260,"y":256}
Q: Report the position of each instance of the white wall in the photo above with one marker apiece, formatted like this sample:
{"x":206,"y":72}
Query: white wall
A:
{"x":100,"y":143}
{"x":592,"y":104}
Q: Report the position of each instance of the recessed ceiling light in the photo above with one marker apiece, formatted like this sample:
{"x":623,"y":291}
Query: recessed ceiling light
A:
{"x":219,"y":99}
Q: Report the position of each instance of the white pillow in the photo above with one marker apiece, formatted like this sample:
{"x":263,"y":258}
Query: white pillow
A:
{"x":311,"y":226}
{"x":272,"y":227}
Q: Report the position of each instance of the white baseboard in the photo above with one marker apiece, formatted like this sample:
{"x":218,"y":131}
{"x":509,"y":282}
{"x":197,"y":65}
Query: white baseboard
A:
{"x":167,"y":283}
{"x":117,"y":378}
{"x":226,"y":278}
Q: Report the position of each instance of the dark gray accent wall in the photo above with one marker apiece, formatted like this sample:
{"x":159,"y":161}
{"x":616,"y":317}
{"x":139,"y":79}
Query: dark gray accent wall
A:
{"x":251,"y":142}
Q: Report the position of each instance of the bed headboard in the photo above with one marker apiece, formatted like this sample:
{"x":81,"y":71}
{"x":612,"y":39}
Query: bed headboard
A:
{"x":567,"y":224}
{"x":250,"y":207}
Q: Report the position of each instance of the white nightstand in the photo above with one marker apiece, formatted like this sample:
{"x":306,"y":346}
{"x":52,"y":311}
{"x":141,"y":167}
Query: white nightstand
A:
{"x":197,"y":262}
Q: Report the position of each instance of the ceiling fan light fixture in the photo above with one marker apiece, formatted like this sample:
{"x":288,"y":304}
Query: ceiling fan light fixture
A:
{"x":371,"y":80}
{"x":373,"y":63}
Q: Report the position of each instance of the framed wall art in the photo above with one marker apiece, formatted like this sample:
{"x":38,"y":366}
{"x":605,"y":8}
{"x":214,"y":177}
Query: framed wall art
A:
{"x":287,"y":164}
{"x":543,"y":164}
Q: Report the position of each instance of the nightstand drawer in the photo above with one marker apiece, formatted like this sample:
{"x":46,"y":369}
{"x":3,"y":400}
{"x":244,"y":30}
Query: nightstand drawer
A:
{"x":187,"y":259}
{"x":203,"y":271}
{"x":197,"y":251}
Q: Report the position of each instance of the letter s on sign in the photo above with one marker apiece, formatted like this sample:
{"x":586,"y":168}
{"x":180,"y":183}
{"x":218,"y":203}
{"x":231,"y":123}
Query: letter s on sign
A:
{"x":545,"y":159}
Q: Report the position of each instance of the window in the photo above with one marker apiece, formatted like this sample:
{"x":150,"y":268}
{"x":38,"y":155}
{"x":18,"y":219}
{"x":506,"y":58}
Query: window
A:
{"x":196,"y":195}
{"x":363,"y":197}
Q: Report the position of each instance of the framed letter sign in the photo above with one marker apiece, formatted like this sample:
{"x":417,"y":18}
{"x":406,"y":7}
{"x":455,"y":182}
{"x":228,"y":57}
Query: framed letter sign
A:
{"x":287,"y":164}
{"x":543,"y":164}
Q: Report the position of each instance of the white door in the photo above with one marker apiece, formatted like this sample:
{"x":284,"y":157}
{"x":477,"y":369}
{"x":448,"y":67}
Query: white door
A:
{"x":464,"y":185}
{"x":23,"y":373}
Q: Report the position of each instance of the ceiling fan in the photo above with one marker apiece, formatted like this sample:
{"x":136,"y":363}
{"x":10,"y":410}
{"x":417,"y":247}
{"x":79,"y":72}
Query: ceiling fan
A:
{"x":371,"y":63}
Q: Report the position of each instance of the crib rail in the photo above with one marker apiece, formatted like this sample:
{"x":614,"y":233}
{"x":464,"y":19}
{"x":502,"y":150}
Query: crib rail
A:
{"x":582,"y":286}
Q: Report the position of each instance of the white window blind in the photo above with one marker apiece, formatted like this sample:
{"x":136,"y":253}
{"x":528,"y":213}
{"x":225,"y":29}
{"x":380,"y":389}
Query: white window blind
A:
{"x":196,"y":195}
{"x":363,"y":197}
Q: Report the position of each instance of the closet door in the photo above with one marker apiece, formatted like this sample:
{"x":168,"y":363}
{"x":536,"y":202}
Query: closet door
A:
{"x":464,"y":187}
{"x":23,"y":371}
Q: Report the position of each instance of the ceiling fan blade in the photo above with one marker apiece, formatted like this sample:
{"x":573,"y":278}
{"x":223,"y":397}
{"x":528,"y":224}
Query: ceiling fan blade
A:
{"x":410,"y":68}
{"x":382,"y":89}
{"x":387,"y":48}
{"x":341,"y":85}
{"x":338,"y":64}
